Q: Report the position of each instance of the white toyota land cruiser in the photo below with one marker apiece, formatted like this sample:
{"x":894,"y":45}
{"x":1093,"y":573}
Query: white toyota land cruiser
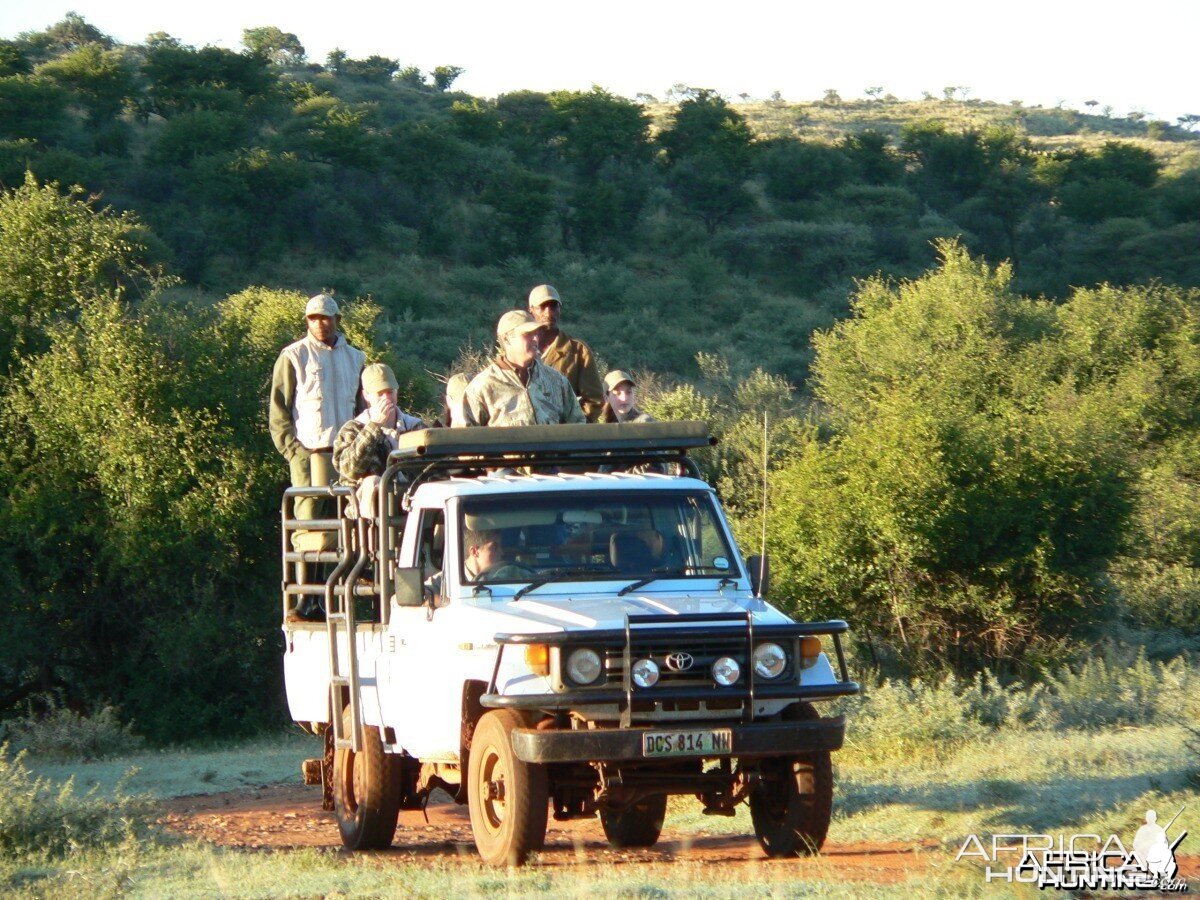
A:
{"x":553,"y":620}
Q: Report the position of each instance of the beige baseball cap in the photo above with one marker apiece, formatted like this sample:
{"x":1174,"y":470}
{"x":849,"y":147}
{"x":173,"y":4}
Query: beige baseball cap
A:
{"x":377,"y":377}
{"x":544,"y":293}
{"x":515,"y":320}
{"x":321,"y":305}
{"x":615,"y":377}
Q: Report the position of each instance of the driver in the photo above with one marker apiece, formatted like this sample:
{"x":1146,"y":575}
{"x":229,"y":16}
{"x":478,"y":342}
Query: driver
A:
{"x":485,"y":559}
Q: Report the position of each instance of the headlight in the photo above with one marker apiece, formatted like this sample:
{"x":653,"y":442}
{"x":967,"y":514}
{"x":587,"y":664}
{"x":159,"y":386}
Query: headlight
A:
{"x":725,"y":671}
{"x":645,"y":673}
{"x":584,"y":666}
{"x":769,"y":660}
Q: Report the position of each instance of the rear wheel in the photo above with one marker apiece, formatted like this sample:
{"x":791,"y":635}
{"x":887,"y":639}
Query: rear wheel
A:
{"x":638,"y":825}
{"x":367,"y":791}
{"x":508,"y":798}
{"x":792,"y":803}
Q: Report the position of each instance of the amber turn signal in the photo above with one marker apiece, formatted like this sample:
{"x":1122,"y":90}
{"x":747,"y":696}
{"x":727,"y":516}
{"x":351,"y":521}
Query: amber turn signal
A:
{"x":537,"y":657}
{"x":810,"y":649}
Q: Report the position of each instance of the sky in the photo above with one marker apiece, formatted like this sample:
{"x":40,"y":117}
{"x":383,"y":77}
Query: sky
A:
{"x":1136,"y":56}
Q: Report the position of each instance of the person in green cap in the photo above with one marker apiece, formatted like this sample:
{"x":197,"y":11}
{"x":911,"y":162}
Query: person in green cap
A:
{"x":620,"y":399}
{"x":362,"y":446}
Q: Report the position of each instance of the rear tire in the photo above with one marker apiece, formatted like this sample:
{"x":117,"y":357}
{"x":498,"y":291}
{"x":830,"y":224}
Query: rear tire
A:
{"x":638,"y":825}
{"x":508,"y":799}
{"x":367,"y":790}
{"x":792,"y":805}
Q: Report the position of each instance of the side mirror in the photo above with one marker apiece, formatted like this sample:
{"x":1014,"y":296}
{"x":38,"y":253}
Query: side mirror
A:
{"x":410,"y":587}
{"x":760,"y":574}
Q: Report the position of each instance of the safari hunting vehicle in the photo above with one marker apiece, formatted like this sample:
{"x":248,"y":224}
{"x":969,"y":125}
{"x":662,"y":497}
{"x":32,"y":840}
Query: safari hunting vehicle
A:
{"x":616,"y":650}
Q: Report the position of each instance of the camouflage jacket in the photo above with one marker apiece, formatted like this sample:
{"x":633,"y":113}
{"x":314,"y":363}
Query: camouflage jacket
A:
{"x":573,"y":358}
{"x":362,"y":447}
{"x":496,"y":396}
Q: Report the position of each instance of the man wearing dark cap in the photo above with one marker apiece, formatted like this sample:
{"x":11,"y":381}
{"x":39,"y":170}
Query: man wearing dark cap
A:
{"x":314,"y":391}
{"x":572,"y":357}
{"x":518,"y":388}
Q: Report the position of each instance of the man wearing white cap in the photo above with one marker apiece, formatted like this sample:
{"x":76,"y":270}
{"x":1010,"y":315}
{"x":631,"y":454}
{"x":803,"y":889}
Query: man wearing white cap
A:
{"x":362,"y":445}
{"x":314,"y":391}
{"x":518,"y":388}
{"x":620,"y":399}
{"x":570,"y":356}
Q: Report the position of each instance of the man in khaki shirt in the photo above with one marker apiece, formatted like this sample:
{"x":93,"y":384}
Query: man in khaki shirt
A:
{"x":572,"y":357}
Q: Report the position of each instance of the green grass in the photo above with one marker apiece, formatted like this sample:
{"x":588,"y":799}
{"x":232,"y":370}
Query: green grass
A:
{"x":198,"y":871}
{"x":1008,"y":781}
{"x":179,"y":772}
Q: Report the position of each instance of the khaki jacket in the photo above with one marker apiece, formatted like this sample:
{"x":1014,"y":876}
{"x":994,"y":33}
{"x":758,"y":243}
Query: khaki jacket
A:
{"x":496,"y":397}
{"x":573,"y":358}
{"x":314,"y":391}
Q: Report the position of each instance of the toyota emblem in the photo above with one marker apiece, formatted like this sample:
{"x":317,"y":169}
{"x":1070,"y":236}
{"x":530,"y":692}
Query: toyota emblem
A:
{"x":679,"y":662}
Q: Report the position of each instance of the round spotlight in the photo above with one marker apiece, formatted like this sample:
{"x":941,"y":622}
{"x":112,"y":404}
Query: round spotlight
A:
{"x":645,"y":673}
{"x":726,"y":671}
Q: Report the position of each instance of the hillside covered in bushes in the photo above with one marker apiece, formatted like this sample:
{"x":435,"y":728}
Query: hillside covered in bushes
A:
{"x":976,"y":349}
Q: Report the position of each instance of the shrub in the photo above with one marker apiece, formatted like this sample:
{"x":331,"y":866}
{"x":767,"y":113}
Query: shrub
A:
{"x":896,"y":718}
{"x":39,"y":818}
{"x":65,"y":734}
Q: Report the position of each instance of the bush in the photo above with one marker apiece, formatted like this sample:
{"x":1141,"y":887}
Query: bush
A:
{"x":41,"y":819}
{"x":1104,"y":692}
{"x":65,"y":734}
{"x":898,"y":718}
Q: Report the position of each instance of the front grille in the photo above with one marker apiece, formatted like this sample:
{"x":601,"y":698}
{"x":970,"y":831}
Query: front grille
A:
{"x":703,"y":653}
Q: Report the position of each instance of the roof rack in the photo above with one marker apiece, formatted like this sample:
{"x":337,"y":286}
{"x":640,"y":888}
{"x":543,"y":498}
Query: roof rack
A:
{"x":423,"y":455}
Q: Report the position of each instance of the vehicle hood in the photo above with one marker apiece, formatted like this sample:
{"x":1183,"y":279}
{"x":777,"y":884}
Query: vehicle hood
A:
{"x":568,"y":614}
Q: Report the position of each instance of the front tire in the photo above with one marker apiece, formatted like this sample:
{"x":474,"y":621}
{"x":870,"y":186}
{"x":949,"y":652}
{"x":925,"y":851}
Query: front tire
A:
{"x":508,"y":798}
{"x":367,"y":791}
{"x":638,"y":825}
{"x":792,"y":804}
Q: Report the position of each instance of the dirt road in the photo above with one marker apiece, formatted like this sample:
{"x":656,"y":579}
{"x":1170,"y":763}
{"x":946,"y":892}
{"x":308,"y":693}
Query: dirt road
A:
{"x":282,"y":817}
{"x":289,"y":816}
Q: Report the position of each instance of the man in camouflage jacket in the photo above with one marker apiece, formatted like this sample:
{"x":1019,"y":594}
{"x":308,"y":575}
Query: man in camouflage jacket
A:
{"x":518,"y":388}
{"x":362,"y":446}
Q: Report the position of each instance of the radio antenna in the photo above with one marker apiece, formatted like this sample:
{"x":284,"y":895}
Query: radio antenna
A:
{"x":762,"y":560}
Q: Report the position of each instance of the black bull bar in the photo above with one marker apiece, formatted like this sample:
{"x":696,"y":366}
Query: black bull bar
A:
{"x":749,"y":738}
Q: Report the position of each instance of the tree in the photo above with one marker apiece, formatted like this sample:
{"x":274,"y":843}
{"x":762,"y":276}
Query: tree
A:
{"x":593,"y":127}
{"x":704,"y":124}
{"x":102,"y":79}
{"x":55,"y":250}
{"x":282,"y":48}
{"x":983,"y":459}
{"x":445,"y":76}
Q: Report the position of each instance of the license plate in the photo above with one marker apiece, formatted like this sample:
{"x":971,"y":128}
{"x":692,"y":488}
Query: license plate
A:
{"x":687,"y":743}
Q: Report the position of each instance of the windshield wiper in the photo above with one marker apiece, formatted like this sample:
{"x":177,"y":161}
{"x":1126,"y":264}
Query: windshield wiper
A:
{"x":640,"y":583}
{"x":560,"y":575}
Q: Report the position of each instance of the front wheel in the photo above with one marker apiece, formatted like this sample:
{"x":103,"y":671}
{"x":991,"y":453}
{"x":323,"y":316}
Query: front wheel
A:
{"x":508,"y":798}
{"x":792,"y":803}
{"x":638,"y":825}
{"x":367,"y":791}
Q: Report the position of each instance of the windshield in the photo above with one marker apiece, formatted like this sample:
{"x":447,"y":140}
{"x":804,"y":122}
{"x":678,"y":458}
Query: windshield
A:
{"x":592,"y":536}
